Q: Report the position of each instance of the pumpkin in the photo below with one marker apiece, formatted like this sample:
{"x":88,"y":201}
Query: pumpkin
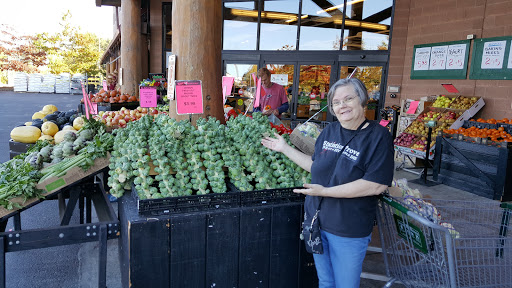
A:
{"x":25,"y":134}
{"x":49,"y":128}
{"x":68,"y":127}
{"x":38,"y":115}
{"x":46,"y":137}
{"x":48,"y":109}
{"x":59,"y":137}
{"x":78,"y":123}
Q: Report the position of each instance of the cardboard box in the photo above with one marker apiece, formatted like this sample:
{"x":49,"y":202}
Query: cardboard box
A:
{"x":304,"y":143}
{"x":73,"y":175}
{"x":405,"y":103}
{"x":303,"y":111}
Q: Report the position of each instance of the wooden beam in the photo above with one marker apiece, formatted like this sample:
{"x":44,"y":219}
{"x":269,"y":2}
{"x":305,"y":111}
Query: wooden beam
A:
{"x":196,"y":30}
{"x":130,"y":44}
{"x":116,"y":3}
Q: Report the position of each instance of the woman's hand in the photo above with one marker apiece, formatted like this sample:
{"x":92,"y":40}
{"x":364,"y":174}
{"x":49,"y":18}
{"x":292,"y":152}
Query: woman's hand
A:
{"x":277,"y":144}
{"x":311,"y":190}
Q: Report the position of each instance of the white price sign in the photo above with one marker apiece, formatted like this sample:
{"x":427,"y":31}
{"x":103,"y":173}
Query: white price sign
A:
{"x":422,"y":58}
{"x":455,"y":57}
{"x":493,"y":54}
{"x":281,"y":79}
{"x":438,"y":57}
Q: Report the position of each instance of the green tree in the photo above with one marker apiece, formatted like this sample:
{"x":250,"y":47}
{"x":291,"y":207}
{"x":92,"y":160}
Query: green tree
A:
{"x":73,"y":51}
{"x":19,"y":52}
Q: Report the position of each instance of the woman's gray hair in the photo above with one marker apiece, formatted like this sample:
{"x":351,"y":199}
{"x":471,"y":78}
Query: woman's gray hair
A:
{"x":358,"y":86}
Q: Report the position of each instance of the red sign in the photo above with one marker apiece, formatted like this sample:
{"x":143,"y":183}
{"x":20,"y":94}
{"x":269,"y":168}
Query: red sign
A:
{"x":189,"y":97}
{"x":90,"y":108}
{"x":450,"y":88}
{"x":147,"y":96}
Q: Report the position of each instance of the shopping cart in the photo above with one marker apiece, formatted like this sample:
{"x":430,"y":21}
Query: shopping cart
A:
{"x":446,"y":243}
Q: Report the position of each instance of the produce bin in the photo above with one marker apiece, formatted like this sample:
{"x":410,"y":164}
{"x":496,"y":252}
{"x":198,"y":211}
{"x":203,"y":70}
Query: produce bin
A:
{"x":255,"y":246}
{"x":477,"y":168}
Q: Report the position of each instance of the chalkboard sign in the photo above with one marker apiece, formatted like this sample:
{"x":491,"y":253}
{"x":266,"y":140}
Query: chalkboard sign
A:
{"x":492,"y":59}
{"x":443,"y":60}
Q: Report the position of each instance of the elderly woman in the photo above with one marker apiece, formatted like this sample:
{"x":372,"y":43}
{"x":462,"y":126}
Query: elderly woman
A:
{"x":345,"y":181}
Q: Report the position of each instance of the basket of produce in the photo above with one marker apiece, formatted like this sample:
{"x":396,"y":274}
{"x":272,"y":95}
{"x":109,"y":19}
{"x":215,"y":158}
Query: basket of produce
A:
{"x":304,"y":137}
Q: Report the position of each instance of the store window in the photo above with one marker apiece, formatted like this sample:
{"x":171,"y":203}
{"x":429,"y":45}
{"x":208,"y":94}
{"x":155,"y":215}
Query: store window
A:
{"x":279,"y":25}
{"x":240,"y":25}
{"x":167,"y":22}
{"x":371,"y":76}
{"x":282,"y":74}
{"x":367,"y":25}
{"x":313,"y":88}
{"x":320,"y":27}
{"x":242,"y":92}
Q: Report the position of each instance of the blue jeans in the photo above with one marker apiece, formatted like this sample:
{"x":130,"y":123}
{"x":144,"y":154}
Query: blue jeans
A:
{"x":342,"y":262}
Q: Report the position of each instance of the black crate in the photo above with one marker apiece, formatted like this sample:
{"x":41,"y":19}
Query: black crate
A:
{"x":13,"y":154}
{"x":18,"y":146}
{"x":186,"y":204}
{"x":270,"y":196}
{"x":479,"y":125}
{"x":508,"y":127}
{"x":110,"y":106}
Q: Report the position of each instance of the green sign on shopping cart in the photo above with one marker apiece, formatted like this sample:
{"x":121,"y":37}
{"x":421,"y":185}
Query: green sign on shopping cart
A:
{"x":411,"y":233}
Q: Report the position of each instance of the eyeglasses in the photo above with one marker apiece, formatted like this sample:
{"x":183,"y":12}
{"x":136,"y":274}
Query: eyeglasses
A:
{"x":348,"y":100}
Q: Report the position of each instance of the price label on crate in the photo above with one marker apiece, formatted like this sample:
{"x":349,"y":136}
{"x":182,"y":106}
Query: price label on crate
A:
{"x":189,"y":97}
{"x":147,"y":97}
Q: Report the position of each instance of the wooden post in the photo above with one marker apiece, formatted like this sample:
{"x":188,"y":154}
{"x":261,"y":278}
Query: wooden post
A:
{"x":130,"y":43}
{"x":196,"y":32}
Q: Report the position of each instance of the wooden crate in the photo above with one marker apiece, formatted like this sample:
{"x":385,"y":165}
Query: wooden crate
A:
{"x":476,"y":168}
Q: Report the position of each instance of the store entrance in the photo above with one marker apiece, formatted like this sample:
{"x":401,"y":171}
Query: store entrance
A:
{"x":307,"y":85}
{"x":372,"y":77}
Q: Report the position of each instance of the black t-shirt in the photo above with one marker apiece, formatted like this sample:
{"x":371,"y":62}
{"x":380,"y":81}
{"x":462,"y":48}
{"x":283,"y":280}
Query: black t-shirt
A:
{"x":368,"y":156}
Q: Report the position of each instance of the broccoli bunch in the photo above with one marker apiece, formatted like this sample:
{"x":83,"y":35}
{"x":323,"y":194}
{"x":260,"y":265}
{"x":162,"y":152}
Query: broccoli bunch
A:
{"x":120,"y":168}
{"x":176,"y":132}
{"x":140,"y":159}
{"x":210,"y":143}
{"x":157,"y":149}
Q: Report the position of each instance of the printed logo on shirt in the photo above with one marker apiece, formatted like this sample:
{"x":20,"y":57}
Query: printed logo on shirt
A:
{"x":336,"y":148}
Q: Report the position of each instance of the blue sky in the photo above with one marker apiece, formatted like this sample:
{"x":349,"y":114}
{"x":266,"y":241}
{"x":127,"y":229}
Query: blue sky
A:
{"x":29,"y":17}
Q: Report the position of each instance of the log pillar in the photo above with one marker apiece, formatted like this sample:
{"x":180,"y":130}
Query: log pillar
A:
{"x":196,"y":32}
{"x":130,"y":42}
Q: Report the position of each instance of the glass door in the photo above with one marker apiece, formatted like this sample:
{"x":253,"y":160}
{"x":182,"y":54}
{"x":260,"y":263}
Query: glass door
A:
{"x":372,"y":78}
{"x":283,"y":74}
{"x":313,"y":86}
{"x":242,"y":92}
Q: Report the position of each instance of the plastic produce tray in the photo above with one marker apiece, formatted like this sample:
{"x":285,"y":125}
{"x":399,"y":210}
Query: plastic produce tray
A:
{"x":186,"y":204}
{"x":479,"y":125}
{"x":270,"y":196}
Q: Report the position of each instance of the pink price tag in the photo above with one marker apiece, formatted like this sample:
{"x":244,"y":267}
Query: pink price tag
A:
{"x":322,"y":95}
{"x":147,"y":97}
{"x":227,"y":86}
{"x":189,"y":97}
{"x":105,"y":85}
{"x":257,"y":95}
{"x":384,"y":122}
{"x":413,"y":106}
